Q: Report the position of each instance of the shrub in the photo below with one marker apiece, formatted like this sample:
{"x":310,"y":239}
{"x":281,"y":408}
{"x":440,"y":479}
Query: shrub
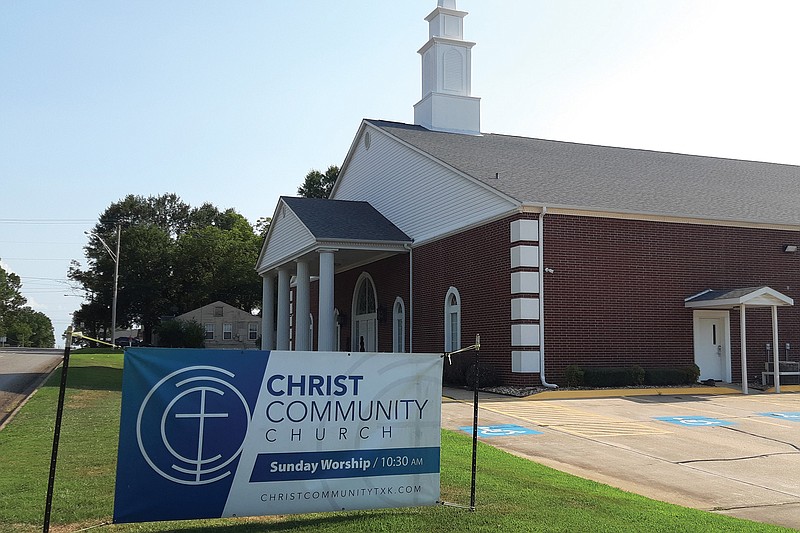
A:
{"x":488,"y":376}
{"x":692,"y":374}
{"x":686,"y":375}
{"x":181,"y":334}
{"x":454,"y":371}
{"x":573,"y":375}
{"x":613,"y":376}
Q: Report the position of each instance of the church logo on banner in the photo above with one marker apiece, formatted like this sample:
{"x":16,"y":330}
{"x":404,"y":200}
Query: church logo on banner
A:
{"x":216,"y":433}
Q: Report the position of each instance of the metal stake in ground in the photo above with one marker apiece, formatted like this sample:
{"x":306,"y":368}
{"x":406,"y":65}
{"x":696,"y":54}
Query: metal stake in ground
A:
{"x":477,"y":348}
{"x":57,"y":431}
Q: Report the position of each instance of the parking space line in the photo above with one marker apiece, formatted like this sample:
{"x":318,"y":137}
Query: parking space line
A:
{"x":725,"y":416}
{"x":574,"y":421}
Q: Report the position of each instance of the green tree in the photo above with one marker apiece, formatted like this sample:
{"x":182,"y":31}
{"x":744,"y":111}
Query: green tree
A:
{"x":173,"y":258}
{"x":181,"y":334}
{"x":317,"y":184}
{"x":217,"y":263}
{"x":10,"y":292}
{"x":27,"y":327}
{"x":20,"y":324}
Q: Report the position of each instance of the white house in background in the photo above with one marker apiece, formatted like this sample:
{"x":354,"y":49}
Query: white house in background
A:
{"x":226,"y":326}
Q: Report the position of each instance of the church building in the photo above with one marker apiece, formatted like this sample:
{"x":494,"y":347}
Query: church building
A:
{"x":555,"y":253}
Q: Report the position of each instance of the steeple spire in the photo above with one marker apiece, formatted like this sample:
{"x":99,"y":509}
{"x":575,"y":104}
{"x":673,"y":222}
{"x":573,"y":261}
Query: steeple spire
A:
{"x":446,"y":103}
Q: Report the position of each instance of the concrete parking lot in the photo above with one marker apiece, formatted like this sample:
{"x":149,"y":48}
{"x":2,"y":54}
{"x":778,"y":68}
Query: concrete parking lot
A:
{"x":733,"y":454}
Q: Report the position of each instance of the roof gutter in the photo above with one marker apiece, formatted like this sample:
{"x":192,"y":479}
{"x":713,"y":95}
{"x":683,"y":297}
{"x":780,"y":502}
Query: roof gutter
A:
{"x":541,"y":301}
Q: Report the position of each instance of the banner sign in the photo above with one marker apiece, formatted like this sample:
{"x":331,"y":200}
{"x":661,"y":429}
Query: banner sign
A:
{"x":219,"y":433}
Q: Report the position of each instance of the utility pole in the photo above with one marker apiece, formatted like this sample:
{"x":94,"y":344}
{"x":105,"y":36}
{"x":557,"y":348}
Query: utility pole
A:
{"x":116,"y":284}
{"x":115,"y":257}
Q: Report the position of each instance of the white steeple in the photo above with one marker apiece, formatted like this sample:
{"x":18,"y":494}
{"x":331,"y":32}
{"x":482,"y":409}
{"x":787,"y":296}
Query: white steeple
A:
{"x":446,"y":103}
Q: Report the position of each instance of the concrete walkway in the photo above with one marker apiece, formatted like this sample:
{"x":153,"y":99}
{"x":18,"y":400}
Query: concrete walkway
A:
{"x":710,"y":448}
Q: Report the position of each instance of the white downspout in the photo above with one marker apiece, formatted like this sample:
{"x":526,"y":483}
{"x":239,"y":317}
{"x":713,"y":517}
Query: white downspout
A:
{"x":410,"y":297}
{"x":541,"y":301}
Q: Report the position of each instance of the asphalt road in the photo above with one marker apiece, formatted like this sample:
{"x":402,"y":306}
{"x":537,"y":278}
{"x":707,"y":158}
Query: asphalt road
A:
{"x":735,"y":455}
{"x":21,"y":369}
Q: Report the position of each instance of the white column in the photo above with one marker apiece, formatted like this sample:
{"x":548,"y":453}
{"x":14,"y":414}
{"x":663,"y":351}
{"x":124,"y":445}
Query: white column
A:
{"x":283,"y":310}
{"x":743,"y":336}
{"x":302,"y":307}
{"x":268,"y":312}
{"x":327,"y":329}
{"x":776,"y":349}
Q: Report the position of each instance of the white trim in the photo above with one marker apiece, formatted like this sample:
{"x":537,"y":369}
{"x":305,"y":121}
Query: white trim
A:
{"x":449,"y":310}
{"x":524,"y":230}
{"x":762,"y":297}
{"x":655,"y":217}
{"x":468,"y":227}
{"x":525,"y":282}
{"x":426,"y":155}
{"x":354,"y":342}
{"x":525,"y":309}
{"x":525,"y":361}
{"x":525,"y":335}
{"x":399,"y":338}
{"x":525,"y":256}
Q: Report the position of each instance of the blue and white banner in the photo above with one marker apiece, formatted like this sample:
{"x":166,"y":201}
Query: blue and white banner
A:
{"x":217,"y":433}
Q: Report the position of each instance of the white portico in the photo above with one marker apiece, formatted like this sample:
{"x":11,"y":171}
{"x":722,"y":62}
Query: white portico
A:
{"x":721,"y":301}
{"x":316,"y":238}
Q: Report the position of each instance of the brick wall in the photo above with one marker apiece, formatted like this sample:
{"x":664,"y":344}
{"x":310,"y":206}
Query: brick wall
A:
{"x":616,"y":296}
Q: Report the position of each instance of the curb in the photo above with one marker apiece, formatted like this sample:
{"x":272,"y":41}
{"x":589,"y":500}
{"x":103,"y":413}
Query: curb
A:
{"x":621,"y":393}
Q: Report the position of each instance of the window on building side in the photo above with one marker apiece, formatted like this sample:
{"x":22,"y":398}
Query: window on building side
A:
{"x":209,"y":332}
{"x":227,"y":332}
{"x":452,"y":320}
{"x":399,"y":326}
{"x":252,"y":331}
{"x":218,"y":311}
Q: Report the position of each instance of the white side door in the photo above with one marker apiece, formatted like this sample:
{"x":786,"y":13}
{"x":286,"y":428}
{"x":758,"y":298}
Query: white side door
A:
{"x":712,"y":345}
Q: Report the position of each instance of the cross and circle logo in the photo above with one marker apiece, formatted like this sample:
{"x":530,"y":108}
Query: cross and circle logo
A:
{"x":192,"y":425}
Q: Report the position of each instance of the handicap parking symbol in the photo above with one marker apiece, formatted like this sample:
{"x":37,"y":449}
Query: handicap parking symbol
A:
{"x":793,"y":417}
{"x":694,"y":421}
{"x":507,"y":430}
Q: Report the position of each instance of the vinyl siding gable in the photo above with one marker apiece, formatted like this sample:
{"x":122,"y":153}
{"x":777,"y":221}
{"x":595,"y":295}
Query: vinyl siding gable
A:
{"x":287,"y":235}
{"x":421,"y":196}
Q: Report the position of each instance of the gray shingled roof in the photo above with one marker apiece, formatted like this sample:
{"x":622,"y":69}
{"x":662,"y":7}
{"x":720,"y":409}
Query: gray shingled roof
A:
{"x":561,"y":174}
{"x":725,"y":294}
{"x":728,"y":298}
{"x":344,"y":220}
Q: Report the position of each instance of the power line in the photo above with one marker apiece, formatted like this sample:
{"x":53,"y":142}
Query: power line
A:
{"x":44,"y":242}
{"x":37,"y":258}
{"x":39,"y":221}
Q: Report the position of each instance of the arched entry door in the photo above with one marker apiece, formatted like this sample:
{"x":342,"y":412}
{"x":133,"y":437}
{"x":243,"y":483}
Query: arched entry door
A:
{"x":365,"y":316}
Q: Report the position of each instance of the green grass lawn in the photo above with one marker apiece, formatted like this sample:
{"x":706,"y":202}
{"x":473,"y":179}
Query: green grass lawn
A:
{"x":512,"y":494}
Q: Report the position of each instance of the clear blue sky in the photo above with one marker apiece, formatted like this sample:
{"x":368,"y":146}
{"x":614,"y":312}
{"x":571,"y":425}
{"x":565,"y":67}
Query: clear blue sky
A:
{"x":232,"y":102}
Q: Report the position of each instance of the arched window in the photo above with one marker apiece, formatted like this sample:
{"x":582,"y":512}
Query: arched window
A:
{"x":452,"y":320}
{"x":399,"y":326}
{"x":365,"y":316}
